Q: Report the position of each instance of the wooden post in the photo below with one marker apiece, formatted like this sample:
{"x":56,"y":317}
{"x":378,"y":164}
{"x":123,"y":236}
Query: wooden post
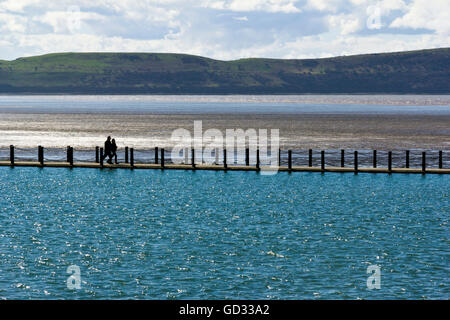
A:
{"x":41,"y":155}
{"x":322,"y":160}
{"x":193,"y":157}
{"x":156,"y":155}
{"x":424,"y":161}
{"x":310,"y":158}
{"x":355,"y":162}
{"x":71,"y":157}
{"x":407,"y":159}
{"x":101,"y":158}
{"x":247,"y":157}
{"x":342,"y":158}
{"x":68,"y":154}
{"x":257,"y":160}
{"x":11,"y":155}
{"x":97,"y":155}
{"x":126,"y":154}
{"x":225,"y":158}
{"x":290,"y":160}
{"x":374,"y":158}
{"x":440,"y":159}
{"x":390,"y":161}
{"x":279,"y":157}
{"x":132,"y":157}
{"x":162,"y":158}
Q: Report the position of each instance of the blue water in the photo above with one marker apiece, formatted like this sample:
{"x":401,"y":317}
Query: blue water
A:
{"x":181,"y":234}
{"x":308,"y":104}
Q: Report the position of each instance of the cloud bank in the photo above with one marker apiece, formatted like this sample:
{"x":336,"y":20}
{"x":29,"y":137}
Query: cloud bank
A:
{"x":223,"y":29}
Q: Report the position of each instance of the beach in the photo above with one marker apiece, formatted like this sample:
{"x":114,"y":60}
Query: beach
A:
{"x":351,"y":122}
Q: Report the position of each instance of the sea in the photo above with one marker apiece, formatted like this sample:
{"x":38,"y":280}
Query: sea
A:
{"x":152,"y":234}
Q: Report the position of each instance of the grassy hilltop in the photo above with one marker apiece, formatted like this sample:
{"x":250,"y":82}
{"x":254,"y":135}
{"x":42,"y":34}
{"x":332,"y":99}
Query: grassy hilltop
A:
{"x":424,"y":71}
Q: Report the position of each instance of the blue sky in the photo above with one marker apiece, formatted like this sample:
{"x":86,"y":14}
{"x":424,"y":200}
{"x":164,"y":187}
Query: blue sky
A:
{"x":223,"y":29}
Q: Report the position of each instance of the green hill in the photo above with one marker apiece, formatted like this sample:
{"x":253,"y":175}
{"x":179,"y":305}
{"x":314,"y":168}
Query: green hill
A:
{"x":425,"y":71}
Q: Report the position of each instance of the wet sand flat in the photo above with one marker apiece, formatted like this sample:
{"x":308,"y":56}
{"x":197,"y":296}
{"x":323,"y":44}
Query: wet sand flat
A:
{"x":319,"y":122}
{"x":300,"y":131}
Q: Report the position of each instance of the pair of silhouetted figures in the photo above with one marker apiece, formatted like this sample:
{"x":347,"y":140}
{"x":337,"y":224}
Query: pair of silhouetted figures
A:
{"x":110,"y":150}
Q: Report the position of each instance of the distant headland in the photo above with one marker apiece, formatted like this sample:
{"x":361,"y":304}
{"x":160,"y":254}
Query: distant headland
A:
{"x":409,"y":72}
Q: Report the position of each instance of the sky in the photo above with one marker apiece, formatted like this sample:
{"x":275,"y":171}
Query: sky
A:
{"x":223,"y":29}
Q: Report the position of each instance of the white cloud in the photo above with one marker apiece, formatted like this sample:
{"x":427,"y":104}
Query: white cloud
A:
{"x":345,"y":23}
{"x":221,"y":29}
{"x":325,"y":5}
{"x":67,"y":21}
{"x":433,"y":15}
{"x":390,"y":5}
{"x":285,"y":6}
{"x":12,"y":23}
{"x":16,"y":5}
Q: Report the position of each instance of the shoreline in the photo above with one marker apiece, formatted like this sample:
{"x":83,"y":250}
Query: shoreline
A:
{"x":293,"y":98}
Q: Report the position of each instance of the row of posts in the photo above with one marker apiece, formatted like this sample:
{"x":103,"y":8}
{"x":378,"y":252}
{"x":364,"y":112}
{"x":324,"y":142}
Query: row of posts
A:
{"x":129,"y":158}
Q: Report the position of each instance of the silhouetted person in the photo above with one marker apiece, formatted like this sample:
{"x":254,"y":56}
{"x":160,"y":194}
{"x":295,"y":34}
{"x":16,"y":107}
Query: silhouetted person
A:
{"x":114,"y":150}
{"x":107,"y":151}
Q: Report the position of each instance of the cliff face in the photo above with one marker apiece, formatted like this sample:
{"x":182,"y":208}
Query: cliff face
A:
{"x":425,"y":71}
